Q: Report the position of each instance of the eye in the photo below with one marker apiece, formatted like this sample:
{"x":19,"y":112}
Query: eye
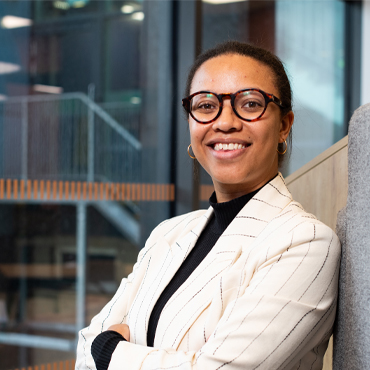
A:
{"x":250,"y":101}
{"x":205,"y":103}
{"x":251,"y":104}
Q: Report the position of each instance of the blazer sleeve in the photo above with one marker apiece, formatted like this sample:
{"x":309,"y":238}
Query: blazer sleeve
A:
{"x":116,"y":310}
{"x":284,"y":313}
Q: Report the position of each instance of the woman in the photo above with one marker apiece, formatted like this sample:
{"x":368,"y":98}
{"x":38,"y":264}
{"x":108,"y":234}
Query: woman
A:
{"x":251,"y":283}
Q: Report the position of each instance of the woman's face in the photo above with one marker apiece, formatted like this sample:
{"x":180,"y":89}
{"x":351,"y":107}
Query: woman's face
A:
{"x":238,"y":171}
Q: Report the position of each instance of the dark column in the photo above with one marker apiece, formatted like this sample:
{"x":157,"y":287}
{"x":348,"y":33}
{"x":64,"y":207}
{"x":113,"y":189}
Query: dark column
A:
{"x":157,"y":86}
{"x":186,"y":55}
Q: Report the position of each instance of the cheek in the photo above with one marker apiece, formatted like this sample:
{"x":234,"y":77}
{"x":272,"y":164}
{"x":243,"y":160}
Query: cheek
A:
{"x":197,"y":133}
{"x":270,"y":131}
{"x":193,"y":137}
{"x":192,"y":127}
{"x":268,"y":141}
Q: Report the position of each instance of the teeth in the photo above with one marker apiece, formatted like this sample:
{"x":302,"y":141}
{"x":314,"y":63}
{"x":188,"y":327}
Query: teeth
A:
{"x":231,"y":146}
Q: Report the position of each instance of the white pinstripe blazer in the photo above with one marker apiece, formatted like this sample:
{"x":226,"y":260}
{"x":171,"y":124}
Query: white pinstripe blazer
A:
{"x":263,"y":298}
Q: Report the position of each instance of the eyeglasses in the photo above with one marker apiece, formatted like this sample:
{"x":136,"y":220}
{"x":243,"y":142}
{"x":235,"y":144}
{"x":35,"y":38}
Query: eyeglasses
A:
{"x":248,"y":104}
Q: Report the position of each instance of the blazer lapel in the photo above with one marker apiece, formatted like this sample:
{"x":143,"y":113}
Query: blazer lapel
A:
{"x":258,"y":212}
{"x":197,"y":292}
{"x":186,"y":244}
{"x":163,"y":266}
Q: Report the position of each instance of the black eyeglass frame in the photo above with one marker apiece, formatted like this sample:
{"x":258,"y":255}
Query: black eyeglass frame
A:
{"x":268,"y":98}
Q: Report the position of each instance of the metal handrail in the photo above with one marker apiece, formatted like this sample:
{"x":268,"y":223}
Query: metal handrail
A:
{"x":87,"y":143}
{"x":90,"y":104}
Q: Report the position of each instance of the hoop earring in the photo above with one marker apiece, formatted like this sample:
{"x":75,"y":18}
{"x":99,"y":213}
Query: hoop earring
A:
{"x":286,"y":148}
{"x":192,"y":157}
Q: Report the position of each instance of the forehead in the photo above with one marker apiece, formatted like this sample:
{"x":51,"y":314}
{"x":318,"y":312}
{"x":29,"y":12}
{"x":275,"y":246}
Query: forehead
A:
{"x":233,"y":72}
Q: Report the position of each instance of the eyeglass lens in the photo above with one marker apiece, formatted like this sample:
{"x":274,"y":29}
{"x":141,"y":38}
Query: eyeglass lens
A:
{"x":249,"y":105}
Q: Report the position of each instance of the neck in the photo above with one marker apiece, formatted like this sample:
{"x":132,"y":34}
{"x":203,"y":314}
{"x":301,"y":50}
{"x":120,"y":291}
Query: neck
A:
{"x":227,"y":192}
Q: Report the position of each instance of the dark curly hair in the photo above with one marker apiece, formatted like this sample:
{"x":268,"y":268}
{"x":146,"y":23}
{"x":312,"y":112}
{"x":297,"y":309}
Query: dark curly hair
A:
{"x":265,"y":57}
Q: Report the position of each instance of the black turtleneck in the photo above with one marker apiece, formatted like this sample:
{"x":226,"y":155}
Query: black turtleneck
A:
{"x":106,"y":342}
{"x":223,"y":214}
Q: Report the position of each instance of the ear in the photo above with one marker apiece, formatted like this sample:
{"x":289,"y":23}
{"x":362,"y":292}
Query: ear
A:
{"x":285,"y":126}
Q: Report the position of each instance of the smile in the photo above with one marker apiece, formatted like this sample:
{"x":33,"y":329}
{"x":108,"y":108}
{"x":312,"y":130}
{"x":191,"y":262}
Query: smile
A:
{"x":230,"y":146}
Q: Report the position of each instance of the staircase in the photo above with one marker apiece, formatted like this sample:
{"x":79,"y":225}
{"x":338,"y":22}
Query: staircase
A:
{"x":70,"y":138}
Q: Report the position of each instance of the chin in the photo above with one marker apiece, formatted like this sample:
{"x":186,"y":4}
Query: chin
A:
{"x":232,"y":177}
{"x":230,"y":181}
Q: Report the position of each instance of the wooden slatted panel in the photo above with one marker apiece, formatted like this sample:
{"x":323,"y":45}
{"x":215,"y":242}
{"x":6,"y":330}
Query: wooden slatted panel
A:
{"x":12,"y":189}
{"x":60,"y":365}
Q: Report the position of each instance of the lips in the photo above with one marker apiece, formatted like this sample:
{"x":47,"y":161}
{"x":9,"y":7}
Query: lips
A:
{"x":229,"y":146}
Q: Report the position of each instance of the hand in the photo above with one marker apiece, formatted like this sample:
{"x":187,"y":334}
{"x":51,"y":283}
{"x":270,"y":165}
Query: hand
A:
{"x":123,"y":329}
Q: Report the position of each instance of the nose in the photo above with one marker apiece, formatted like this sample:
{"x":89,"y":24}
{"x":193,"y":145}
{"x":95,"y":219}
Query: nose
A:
{"x":228,"y":120}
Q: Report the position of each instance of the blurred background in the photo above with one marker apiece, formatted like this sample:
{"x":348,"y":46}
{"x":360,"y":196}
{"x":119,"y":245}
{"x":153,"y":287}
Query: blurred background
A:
{"x":93,"y":138}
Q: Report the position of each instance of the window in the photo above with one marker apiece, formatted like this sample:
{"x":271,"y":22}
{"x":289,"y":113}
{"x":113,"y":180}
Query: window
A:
{"x":93,"y":141}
